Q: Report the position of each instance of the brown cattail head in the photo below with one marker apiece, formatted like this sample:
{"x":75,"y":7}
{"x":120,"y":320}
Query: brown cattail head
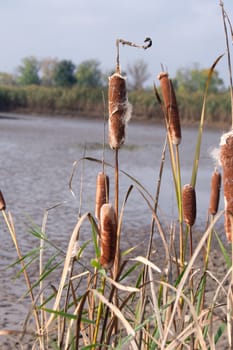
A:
{"x":119,"y":110}
{"x":226,"y":159}
{"x":2,"y":202}
{"x":102,"y":192}
{"x":108,"y":235}
{"x":189,"y":204}
{"x":215,"y":192}
{"x":171,"y":108}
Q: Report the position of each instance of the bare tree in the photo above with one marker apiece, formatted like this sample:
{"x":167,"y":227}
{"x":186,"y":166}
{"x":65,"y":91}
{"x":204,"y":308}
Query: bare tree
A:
{"x":47,"y":68}
{"x":138,"y":74}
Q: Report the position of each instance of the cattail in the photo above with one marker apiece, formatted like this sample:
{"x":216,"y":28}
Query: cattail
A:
{"x":102,"y":192}
{"x":189,"y":204}
{"x":215,"y":192}
{"x":226,"y":159}
{"x":108,"y":234}
{"x":171,"y":107}
{"x":119,"y":110}
{"x":2,"y":202}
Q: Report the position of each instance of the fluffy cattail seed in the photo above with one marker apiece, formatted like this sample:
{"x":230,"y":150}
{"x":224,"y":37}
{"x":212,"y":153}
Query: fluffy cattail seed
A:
{"x":226,"y":159}
{"x":2,"y":202}
{"x":119,"y":110}
{"x":171,"y":107}
{"x":189,"y":204}
{"x":102,"y":192}
{"x":108,"y":234}
{"x":215,"y":192}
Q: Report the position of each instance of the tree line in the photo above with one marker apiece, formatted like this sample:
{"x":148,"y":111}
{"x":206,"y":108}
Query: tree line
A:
{"x":61,"y":87}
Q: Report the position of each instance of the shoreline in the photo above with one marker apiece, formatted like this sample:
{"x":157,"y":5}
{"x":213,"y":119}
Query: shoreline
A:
{"x":20,"y":114}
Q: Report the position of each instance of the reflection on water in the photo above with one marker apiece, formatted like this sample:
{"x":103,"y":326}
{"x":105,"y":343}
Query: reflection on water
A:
{"x":36,"y":163}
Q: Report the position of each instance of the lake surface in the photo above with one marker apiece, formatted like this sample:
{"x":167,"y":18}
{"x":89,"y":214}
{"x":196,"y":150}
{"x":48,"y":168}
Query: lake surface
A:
{"x":37,"y":156}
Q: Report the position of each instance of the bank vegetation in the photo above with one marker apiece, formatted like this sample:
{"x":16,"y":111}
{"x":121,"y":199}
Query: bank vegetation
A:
{"x":90,"y":102}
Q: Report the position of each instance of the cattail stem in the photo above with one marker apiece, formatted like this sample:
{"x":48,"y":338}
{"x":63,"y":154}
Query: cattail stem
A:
{"x":179,"y":191}
{"x":116,"y":184}
{"x":224,"y":16}
{"x":191,"y":271}
{"x":200,"y":304}
{"x":99,"y":312}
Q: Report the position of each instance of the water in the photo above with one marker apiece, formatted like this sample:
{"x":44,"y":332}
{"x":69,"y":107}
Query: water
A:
{"x":37,"y":156}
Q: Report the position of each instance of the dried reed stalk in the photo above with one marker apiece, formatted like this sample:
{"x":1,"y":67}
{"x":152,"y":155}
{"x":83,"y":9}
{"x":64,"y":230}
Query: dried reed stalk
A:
{"x":108,"y":234}
{"x":226,"y":159}
{"x":2,"y":202}
{"x":171,"y":108}
{"x":102,"y":192}
{"x":119,"y":110}
{"x":215,"y":192}
{"x":189,"y":204}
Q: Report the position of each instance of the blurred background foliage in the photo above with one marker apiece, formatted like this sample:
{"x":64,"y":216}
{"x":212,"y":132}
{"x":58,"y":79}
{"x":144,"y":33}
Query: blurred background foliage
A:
{"x":61,"y":87}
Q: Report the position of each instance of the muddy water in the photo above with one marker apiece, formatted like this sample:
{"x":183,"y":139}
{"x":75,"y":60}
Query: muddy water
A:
{"x":37,"y":155}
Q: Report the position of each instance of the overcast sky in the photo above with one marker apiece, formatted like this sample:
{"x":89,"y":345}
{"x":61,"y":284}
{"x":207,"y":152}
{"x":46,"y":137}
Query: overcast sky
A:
{"x":184,"y":32}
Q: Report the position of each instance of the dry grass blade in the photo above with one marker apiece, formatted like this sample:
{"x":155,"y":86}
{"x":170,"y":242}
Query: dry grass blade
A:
{"x":155,"y":305}
{"x":68,"y":259}
{"x":122,"y":287}
{"x":147,"y":262}
{"x":187,"y":273}
{"x":196,"y":322}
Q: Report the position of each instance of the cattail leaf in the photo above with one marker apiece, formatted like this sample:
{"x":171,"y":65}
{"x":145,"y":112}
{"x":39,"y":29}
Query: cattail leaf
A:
{"x":95,"y":233}
{"x":98,"y":161}
{"x":201,"y":124}
{"x":81,"y":249}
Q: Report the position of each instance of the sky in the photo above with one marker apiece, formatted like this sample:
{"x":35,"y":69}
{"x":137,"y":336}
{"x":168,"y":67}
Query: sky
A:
{"x":184,"y":32}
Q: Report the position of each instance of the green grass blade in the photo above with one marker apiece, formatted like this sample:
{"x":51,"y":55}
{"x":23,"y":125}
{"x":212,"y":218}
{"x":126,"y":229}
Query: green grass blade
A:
{"x":223,"y":250}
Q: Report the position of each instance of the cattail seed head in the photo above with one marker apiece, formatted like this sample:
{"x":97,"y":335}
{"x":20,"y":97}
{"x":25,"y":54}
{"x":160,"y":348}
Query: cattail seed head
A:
{"x":171,"y":108}
{"x":226,"y":159}
{"x":215,"y":192}
{"x":189,"y":204}
{"x":108,"y":235}
{"x":119,"y":110}
{"x":102,"y":192}
{"x":2,"y":202}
